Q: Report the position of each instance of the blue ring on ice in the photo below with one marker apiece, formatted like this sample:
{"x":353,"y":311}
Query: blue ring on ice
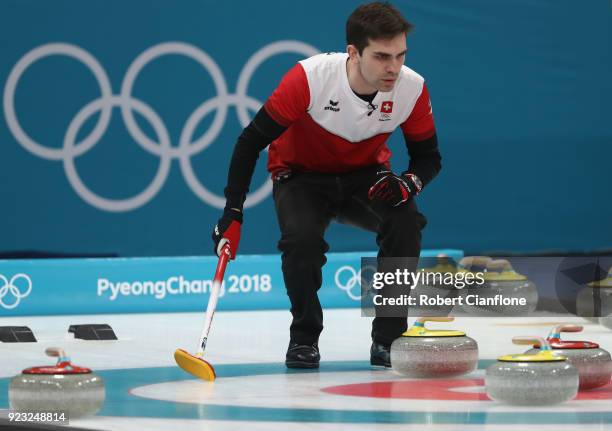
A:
{"x":119,"y":402}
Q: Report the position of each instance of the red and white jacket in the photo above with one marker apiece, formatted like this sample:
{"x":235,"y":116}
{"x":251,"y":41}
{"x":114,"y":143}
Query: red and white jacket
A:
{"x":331,"y":129}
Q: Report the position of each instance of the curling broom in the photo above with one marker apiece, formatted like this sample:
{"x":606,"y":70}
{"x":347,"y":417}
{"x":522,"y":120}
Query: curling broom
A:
{"x":195,"y":364}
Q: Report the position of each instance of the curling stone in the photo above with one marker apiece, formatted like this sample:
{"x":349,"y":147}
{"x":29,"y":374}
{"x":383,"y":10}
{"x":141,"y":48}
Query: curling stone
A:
{"x":435,"y":282}
{"x":539,"y":379}
{"x":474,"y":263}
{"x":423,"y":352}
{"x":595,"y":299}
{"x":502,"y":289}
{"x":594,"y":364}
{"x":62,"y":387}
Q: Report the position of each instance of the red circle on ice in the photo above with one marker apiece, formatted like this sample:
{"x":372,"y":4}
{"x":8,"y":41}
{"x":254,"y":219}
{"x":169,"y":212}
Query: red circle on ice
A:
{"x":439,"y":389}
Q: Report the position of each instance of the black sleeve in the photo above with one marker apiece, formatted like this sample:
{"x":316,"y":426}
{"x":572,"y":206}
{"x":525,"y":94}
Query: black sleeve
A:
{"x":425,"y":158}
{"x":254,"y":138}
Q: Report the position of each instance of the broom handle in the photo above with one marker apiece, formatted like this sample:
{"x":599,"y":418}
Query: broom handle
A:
{"x":214,"y":296}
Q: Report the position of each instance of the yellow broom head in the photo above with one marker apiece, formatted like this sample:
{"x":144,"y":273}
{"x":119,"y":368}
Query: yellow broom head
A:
{"x":194,"y":365}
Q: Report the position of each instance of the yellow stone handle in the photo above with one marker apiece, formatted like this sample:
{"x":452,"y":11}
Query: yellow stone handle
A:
{"x":499,"y":264}
{"x":434,"y":319}
{"x":531,"y":340}
{"x":57,"y":352}
{"x":443,"y":258}
{"x":475,"y":260}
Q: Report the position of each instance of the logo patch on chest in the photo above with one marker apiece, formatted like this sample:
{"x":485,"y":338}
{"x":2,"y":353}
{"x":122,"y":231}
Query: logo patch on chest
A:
{"x":386,"y":108}
{"x":333,"y":106}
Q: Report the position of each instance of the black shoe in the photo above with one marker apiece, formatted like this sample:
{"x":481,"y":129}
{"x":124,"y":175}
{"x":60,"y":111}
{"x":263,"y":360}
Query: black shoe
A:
{"x":302,"y":356}
{"x":380,"y":355}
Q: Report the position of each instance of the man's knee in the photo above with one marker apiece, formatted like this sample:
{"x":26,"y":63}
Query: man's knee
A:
{"x":303,"y":256}
{"x":304,"y":243}
{"x":405,"y":221}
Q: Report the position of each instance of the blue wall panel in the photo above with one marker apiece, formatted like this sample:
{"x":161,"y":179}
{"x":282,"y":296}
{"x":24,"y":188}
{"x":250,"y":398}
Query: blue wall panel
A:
{"x":521,"y":94}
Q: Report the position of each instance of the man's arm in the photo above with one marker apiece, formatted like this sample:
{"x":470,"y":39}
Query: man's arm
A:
{"x":425,"y":159}
{"x":422,"y":141}
{"x":253,"y":139}
{"x":287,"y":103}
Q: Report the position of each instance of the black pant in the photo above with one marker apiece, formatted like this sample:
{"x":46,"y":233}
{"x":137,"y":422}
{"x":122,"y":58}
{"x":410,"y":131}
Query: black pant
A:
{"x":305,"y":205}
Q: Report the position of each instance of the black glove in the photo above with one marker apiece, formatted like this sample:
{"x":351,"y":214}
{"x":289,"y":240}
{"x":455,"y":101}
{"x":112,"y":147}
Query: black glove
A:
{"x":394,"y":190}
{"x":227,"y":230}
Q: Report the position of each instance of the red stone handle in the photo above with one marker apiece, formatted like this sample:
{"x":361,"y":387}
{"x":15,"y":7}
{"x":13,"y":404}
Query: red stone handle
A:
{"x":567,"y":328}
{"x":56,"y":352}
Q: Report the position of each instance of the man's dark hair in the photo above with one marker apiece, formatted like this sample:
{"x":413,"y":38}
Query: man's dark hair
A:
{"x":374,"y":21}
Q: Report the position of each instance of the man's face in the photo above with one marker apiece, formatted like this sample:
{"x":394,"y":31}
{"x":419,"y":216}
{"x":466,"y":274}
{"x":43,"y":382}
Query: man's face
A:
{"x":381,"y":61}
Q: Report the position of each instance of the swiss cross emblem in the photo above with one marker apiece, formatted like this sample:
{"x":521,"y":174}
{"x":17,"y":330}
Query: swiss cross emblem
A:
{"x":387,"y":107}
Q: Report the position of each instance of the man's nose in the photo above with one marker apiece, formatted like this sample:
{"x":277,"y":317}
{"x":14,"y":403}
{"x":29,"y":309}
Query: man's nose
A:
{"x":394,"y":66}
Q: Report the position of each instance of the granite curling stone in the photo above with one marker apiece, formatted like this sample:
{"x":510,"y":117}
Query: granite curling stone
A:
{"x":474,"y":263}
{"x":594,"y":364}
{"x":434,"y":284}
{"x":595,"y":300}
{"x":423,"y":352}
{"x":62,"y":387}
{"x":501,"y":283}
{"x":539,"y":379}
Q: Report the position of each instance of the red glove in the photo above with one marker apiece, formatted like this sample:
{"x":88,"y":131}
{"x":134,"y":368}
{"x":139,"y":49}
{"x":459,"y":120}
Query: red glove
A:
{"x":393,"y":189}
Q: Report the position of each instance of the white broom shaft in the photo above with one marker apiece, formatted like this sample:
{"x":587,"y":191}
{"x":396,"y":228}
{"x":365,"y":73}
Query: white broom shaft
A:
{"x":214,"y":296}
{"x":210,"y":312}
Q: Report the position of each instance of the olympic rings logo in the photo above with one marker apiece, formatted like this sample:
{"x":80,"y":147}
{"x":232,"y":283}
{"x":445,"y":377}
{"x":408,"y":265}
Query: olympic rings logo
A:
{"x":10,"y":287}
{"x":162,"y":148}
{"x":347,"y":279}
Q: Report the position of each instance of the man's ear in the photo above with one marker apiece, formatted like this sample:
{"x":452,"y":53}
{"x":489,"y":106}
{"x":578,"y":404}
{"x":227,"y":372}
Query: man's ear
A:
{"x":352,"y":51}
